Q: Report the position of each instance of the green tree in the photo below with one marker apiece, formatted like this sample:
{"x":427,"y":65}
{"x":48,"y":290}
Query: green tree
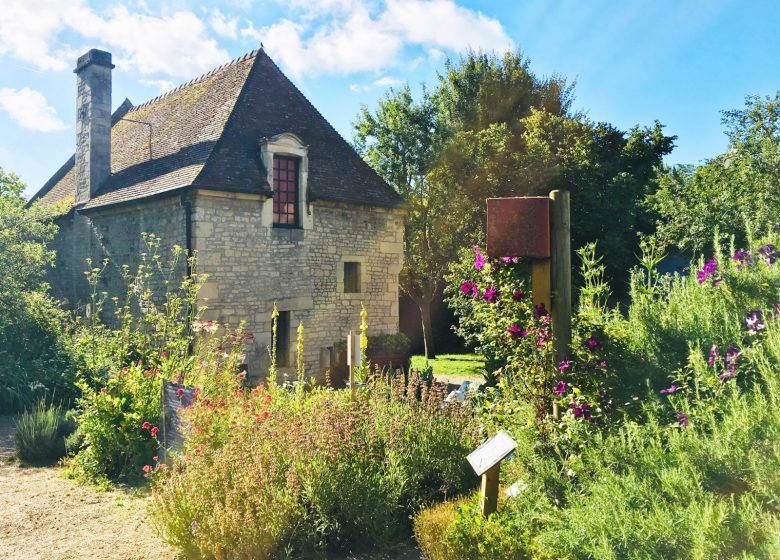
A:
{"x":34,"y":359}
{"x":491,"y":127}
{"x":734,"y":192}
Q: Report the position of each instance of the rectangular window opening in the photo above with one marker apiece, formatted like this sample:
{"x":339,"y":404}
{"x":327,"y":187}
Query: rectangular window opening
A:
{"x":352,"y":277}
{"x":283,"y":339}
{"x":285,"y":198}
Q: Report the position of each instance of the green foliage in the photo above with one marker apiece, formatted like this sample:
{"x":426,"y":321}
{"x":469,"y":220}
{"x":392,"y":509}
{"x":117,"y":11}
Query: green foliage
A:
{"x":690,"y":472}
{"x":35,"y":362}
{"x":452,"y":365}
{"x":153,"y":337}
{"x":734,"y":192}
{"x":397,"y":343}
{"x":40,"y":434}
{"x":492,"y":128}
{"x":273,"y":480}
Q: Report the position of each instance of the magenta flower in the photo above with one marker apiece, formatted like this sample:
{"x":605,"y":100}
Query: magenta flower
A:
{"x":516,"y":331}
{"x":755,"y":321}
{"x":508,"y":260}
{"x":540,"y":311}
{"x":564,"y":365}
{"x":733,"y":354}
{"x":709,"y":270}
{"x":480,"y":260}
{"x":673,"y":389}
{"x":518,"y":295}
{"x":492,"y":294}
{"x":560,"y":389}
{"x":592,"y":344}
{"x":682,"y":419}
{"x":466,"y":287}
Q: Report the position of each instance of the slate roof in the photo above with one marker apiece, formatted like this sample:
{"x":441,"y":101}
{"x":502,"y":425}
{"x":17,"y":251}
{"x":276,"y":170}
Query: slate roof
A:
{"x":205,"y":134}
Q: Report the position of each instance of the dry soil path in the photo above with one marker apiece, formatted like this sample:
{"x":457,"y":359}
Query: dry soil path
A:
{"x":44,"y":516}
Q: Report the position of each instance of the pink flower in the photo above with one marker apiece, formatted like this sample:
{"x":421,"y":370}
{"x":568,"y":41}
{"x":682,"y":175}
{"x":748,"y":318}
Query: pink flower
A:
{"x":154,"y":431}
{"x":180,"y":392}
{"x":564,"y":365}
{"x":480,"y":260}
{"x":146,"y":425}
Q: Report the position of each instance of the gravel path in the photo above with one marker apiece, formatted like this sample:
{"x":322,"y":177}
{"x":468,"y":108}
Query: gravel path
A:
{"x":44,"y":516}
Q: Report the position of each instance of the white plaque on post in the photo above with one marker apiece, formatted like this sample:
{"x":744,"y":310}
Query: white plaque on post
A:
{"x":487,"y":455}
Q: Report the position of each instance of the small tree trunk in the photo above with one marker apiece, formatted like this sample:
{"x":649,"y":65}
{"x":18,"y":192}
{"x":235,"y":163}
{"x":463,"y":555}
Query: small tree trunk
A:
{"x":425,"y":313}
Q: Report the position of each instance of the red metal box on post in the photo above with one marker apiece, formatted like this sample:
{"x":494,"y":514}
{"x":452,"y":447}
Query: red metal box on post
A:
{"x":518,"y":227}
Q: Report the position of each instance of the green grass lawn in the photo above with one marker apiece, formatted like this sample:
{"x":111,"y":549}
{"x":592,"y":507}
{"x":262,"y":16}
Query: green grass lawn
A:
{"x":454,"y":367}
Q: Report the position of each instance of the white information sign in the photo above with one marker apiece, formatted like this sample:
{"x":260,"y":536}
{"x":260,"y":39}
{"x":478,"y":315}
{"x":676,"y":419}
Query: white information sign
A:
{"x":353,"y":350}
{"x":491,"y":452}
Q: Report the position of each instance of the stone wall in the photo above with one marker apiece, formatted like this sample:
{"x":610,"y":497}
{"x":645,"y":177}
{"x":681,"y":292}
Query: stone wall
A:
{"x":115,"y":234}
{"x":251,"y":265}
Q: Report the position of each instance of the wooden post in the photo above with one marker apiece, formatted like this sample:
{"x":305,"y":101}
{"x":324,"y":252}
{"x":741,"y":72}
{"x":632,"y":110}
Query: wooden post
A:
{"x":540,"y":282}
{"x":490,"y":490}
{"x":560,"y":276}
{"x":350,"y":360}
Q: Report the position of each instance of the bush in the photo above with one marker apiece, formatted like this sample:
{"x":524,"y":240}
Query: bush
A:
{"x":40,"y":434}
{"x":688,"y":466}
{"x":430,"y":530}
{"x":335,"y":471}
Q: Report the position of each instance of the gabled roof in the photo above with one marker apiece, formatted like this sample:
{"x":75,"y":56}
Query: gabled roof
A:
{"x":206,"y":133}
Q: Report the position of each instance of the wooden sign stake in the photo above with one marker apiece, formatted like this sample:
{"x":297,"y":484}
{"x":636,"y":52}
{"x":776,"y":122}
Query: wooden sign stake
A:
{"x":560,"y":276}
{"x":489,"y":495}
{"x":350,"y":353}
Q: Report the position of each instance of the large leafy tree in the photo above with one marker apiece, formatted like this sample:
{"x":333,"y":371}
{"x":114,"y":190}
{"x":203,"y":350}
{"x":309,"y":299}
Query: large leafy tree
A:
{"x":491,"y":127}
{"x":34,"y":360}
{"x":735,"y":192}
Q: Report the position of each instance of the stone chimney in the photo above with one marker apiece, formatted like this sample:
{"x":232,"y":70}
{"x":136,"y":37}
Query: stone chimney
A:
{"x":93,"y":122}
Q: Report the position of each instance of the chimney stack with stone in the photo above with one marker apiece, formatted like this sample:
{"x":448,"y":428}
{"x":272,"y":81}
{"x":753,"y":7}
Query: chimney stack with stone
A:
{"x":93,"y":123}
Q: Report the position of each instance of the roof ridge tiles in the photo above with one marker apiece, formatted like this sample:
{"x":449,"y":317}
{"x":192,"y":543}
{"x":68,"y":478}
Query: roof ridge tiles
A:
{"x":243,"y":57}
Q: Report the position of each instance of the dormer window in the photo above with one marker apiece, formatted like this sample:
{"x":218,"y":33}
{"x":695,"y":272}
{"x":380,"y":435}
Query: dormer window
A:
{"x":286,"y":191}
{"x":286,"y":161}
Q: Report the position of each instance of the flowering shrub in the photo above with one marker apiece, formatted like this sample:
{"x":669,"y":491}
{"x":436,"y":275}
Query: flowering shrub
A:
{"x":122,"y":367}
{"x":687,"y":454}
{"x":298,"y":470}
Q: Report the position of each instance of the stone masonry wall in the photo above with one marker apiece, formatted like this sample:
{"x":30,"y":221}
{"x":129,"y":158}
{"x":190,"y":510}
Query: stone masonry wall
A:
{"x":252,"y":265}
{"x":113,"y":234}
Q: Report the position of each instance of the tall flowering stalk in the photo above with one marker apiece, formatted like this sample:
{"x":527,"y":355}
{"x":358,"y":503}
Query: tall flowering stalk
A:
{"x":272,"y":372}
{"x":299,"y":359}
{"x":362,"y":372}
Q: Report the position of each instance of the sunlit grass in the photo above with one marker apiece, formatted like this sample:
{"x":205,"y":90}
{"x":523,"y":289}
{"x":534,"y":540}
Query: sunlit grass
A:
{"x":453,"y":365}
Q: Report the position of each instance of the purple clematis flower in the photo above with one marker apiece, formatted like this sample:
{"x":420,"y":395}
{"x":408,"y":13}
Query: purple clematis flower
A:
{"x":769,"y":253}
{"x":560,"y":389}
{"x":742,"y":259}
{"x":516,"y":332}
{"x":592,"y":344}
{"x":492,"y":294}
{"x":755,"y":321}
{"x":564,"y":365}
{"x":518,"y":295}
{"x":733,"y":354}
{"x":673,"y":389}
{"x":682,"y":419}
{"x":540,"y":311}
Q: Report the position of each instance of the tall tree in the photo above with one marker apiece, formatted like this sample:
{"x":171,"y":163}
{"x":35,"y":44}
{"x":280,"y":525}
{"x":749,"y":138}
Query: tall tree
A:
{"x":734,"y":192}
{"x":493,"y":128}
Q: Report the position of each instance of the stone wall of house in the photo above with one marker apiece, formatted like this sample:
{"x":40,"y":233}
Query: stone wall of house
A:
{"x":251,"y":265}
{"x":115,"y":234}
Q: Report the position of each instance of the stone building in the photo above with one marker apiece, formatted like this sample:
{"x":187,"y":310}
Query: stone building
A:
{"x":237,"y":166}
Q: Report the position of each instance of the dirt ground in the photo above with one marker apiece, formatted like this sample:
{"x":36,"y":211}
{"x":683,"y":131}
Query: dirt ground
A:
{"x":44,"y":516}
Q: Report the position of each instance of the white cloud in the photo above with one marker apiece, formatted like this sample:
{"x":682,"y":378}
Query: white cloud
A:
{"x":383,"y":82}
{"x":176,"y":44}
{"x":28,"y":108}
{"x":222,"y":25}
{"x":163,"y":85}
{"x":346,"y":36}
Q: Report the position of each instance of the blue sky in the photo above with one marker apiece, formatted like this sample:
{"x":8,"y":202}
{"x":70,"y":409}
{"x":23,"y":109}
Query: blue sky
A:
{"x":679,"y":62}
